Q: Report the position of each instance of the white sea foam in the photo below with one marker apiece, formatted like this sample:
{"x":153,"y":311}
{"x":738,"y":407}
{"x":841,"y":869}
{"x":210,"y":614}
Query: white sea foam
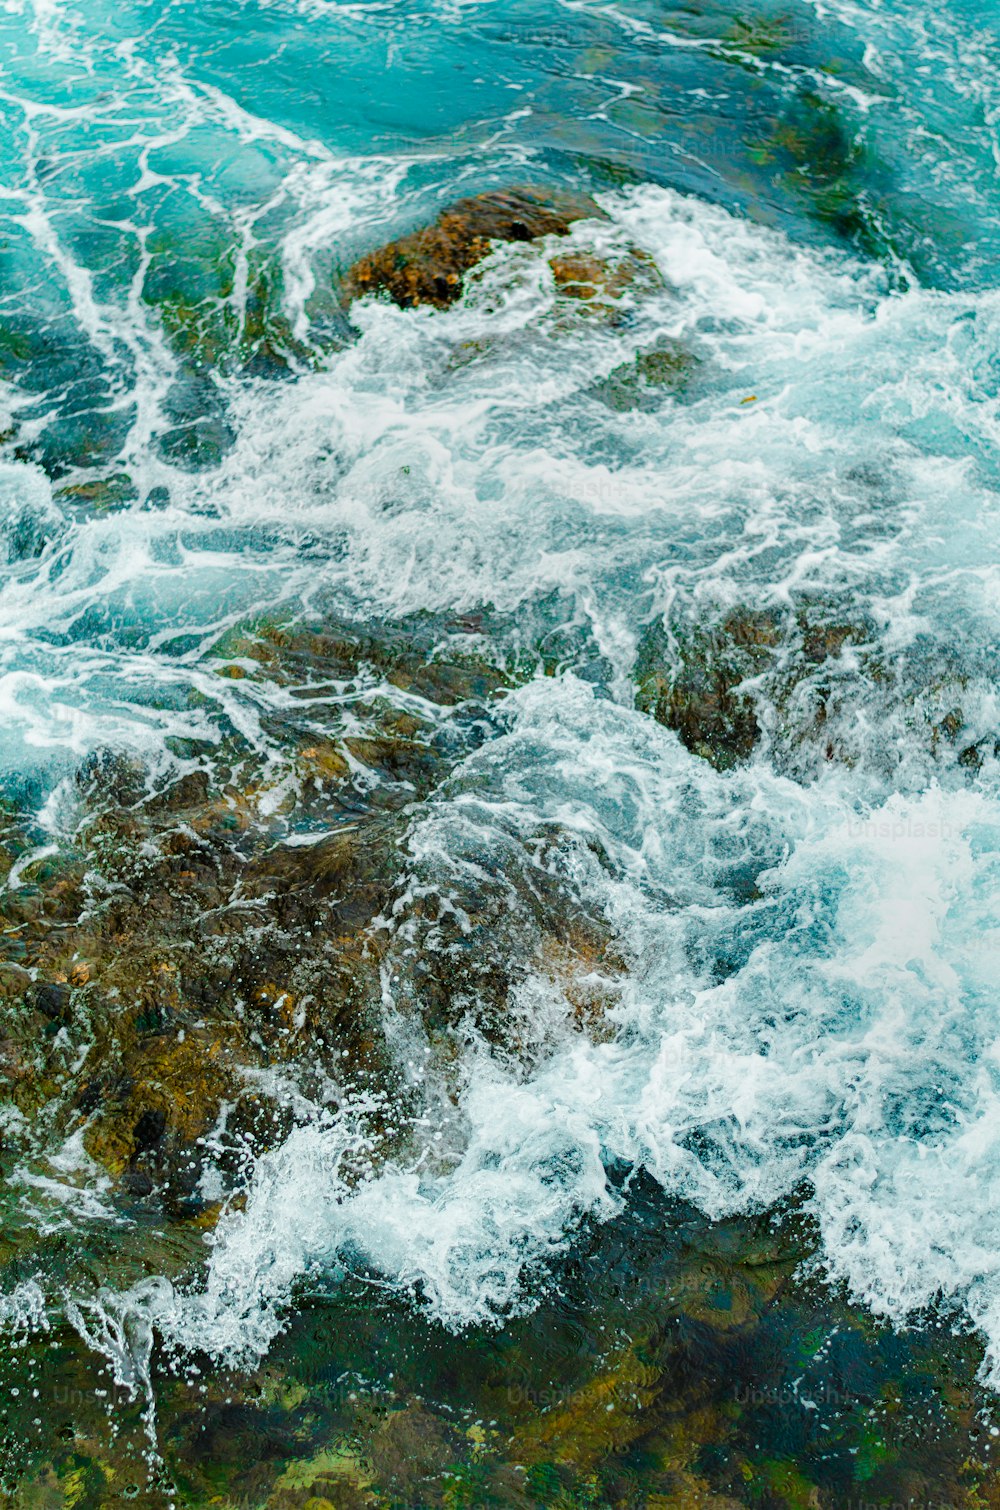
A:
{"x":851,"y":1054}
{"x":836,"y":440}
{"x":450,"y":459}
{"x":23,"y":1311}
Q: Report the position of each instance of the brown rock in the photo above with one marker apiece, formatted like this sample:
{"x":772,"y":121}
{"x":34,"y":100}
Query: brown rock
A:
{"x":708,"y":682}
{"x":587,"y":277}
{"x":410,"y":1451}
{"x":14,"y":982}
{"x":428,"y":266}
{"x":699,"y":693}
{"x":580,"y":275}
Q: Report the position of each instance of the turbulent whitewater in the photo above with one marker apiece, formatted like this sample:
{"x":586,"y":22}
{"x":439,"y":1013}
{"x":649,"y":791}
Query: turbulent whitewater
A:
{"x":771,"y":445}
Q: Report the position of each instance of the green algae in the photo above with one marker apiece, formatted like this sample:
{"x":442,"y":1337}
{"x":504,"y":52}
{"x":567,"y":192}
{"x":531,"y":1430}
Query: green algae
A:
{"x":220,"y":306}
{"x":622,"y":1390}
{"x":761,"y":35}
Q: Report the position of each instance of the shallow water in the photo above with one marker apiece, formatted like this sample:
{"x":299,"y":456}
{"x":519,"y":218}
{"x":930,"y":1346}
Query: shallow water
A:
{"x":501,"y":789}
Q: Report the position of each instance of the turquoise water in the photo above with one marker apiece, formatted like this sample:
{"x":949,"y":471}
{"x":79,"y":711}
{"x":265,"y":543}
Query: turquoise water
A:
{"x":794,"y":1003}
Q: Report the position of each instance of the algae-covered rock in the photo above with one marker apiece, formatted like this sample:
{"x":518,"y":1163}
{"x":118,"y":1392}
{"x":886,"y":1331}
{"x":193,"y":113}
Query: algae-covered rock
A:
{"x":203,"y":934}
{"x":665,"y":369}
{"x":495,"y":943}
{"x":219,"y":308}
{"x":410,"y":1452}
{"x":104,"y":493}
{"x":428,"y":266}
{"x":761,"y":35}
{"x":824,"y":159}
{"x":206,"y":963}
{"x":814,"y":683}
{"x":698,"y":686}
{"x":598,"y":281}
{"x":634,"y":1383}
{"x":200,"y":945}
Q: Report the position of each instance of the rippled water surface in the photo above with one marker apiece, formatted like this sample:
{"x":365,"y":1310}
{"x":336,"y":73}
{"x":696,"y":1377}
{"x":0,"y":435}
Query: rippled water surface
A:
{"x":500,"y":803}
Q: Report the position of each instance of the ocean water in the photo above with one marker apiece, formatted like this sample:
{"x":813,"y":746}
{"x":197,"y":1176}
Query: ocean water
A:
{"x":800,"y":1008}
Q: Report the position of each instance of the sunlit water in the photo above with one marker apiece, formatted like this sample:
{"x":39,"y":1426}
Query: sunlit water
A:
{"x":811,"y":939}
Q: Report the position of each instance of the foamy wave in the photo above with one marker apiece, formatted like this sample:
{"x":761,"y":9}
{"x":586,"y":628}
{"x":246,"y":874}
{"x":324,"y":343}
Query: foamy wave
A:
{"x":832,"y":1059}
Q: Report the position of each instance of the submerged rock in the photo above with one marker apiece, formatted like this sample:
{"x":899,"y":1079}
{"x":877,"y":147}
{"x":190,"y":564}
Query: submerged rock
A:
{"x":206,"y":944}
{"x":29,"y":519}
{"x":697,"y":686}
{"x":678,"y":1362}
{"x":642,"y":384}
{"x":813,"y":683}
{"x":218,"y":315}
{"x":599,"y":281}
{"x":428,"y":266}
{"x":196,"y":950}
